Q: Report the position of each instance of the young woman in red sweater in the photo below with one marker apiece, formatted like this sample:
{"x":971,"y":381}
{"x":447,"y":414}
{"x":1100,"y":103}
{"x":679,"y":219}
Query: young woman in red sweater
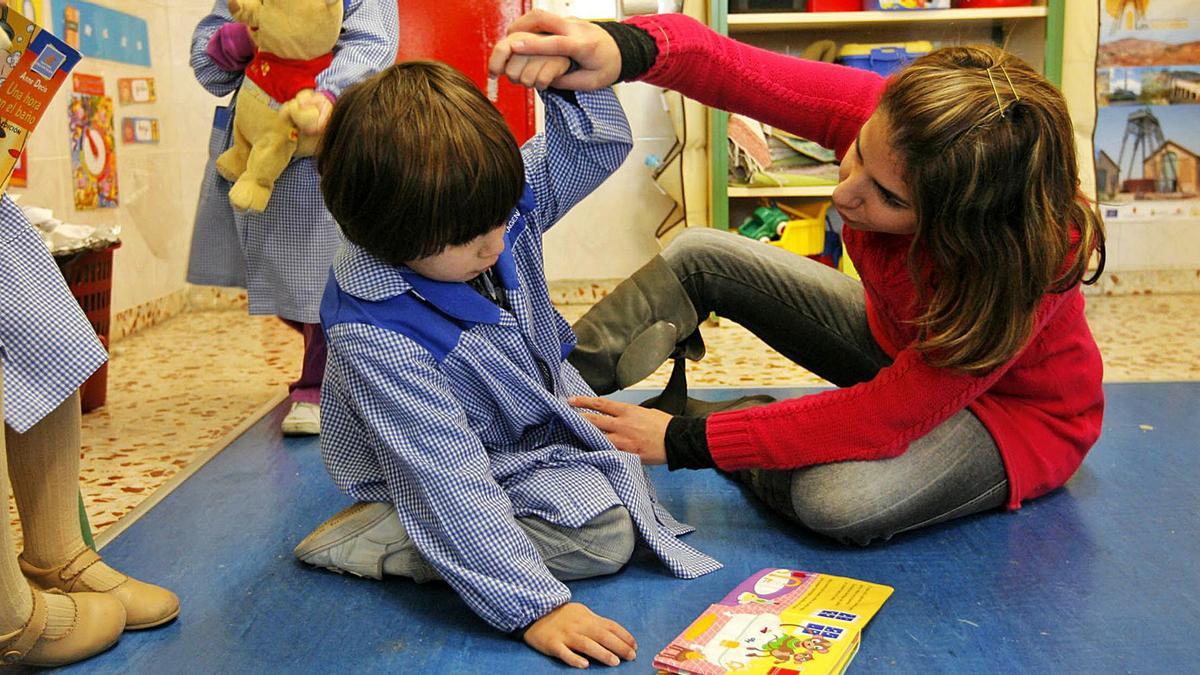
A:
{"x":968,"y":378}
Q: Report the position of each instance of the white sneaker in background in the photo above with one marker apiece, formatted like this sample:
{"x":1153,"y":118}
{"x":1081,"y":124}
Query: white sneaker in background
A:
{"x":304,"y":419}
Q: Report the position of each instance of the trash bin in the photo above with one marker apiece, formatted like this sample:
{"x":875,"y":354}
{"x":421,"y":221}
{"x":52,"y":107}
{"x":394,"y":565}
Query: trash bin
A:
{"x":89,"y":277}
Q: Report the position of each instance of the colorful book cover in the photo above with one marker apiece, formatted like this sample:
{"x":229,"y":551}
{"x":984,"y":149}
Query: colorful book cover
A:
{"x":31,"y":71}
{"x":778,"y":622}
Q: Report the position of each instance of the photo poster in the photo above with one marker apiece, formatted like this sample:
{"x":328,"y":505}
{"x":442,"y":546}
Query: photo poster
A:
{"x":93,"y":146}
{"x":1147,"y":141}
{"x":31,"y":72}
{"x":136,"y":90}
{"x":102,"y":33}
{"x":139,"y":130}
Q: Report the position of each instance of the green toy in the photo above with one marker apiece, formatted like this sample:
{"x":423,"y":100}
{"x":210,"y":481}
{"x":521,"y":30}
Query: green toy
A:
{"x":764,"y":224}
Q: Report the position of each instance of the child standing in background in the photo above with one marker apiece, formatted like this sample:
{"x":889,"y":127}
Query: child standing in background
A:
{"x":445,"y":399}
{"x":282,"y":255}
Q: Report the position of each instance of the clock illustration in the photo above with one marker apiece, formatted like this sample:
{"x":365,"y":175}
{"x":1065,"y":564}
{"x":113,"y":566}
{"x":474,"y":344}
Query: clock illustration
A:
{"x":94,"y":153}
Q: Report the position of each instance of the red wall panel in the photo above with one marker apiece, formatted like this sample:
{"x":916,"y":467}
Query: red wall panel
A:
{"x":462,"y":33}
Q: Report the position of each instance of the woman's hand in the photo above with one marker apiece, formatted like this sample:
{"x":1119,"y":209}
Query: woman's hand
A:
{"x":572,"y":631}
{"x":540,"y":33}
{"x":632,"y":428}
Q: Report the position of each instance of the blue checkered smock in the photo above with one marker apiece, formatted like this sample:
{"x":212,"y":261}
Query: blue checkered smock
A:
{"x":440,"y":402}
{"x":281,"y":256}
{"x":47,"y":346}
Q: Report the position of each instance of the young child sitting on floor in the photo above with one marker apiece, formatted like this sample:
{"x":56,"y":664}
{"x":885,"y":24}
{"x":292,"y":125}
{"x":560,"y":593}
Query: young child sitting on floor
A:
{"x":444,"y":402}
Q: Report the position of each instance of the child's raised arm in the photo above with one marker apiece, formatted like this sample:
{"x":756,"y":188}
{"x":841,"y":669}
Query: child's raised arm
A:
{"x":586,"y":139}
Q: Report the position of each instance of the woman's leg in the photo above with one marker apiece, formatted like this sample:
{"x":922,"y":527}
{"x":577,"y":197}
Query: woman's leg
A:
{"x":953,"y":471}
{"x":811,"y":313}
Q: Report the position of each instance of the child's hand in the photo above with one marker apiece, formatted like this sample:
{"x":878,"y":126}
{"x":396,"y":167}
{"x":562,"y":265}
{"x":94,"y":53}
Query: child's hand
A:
{"x":572,"y":631}
{"x":540,"y":33}
{"x":309,"y":111}
{"x":535,"y":72}
{"x":632,"y":428}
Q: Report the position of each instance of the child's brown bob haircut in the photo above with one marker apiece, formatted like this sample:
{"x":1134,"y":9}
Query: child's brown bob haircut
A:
{"x":416,"y":159}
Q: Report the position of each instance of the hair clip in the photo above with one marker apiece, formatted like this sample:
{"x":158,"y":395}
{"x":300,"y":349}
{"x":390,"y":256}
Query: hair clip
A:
{"x":1016,"y":96}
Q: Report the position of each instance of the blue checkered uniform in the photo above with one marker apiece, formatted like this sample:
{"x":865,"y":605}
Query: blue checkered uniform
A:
{"x":453,"y":409}
{"x":281,"y":256}
{"x":46,"y":343}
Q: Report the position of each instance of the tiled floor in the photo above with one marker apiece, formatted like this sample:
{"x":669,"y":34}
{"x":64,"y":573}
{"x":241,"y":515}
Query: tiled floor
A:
{"x":177,"y":388}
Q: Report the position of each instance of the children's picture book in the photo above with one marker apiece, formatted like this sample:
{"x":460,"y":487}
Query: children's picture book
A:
{"x":778,"y":622}
{"x":31,"y":70}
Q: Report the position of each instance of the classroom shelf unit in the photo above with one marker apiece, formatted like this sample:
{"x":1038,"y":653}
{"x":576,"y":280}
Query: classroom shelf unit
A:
{"x":1034,"y":33}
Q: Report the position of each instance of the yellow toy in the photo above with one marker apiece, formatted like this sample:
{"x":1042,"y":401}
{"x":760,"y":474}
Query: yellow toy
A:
{"x":295,"y":41}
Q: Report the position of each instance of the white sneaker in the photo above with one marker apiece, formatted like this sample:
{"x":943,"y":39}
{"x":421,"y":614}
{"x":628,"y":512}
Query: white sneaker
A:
{"x":304,"y":419}
{"x":356,"y":540}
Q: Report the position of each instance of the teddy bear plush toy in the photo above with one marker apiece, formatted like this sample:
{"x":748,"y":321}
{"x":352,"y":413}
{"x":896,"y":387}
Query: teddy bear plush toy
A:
{"x":295,"y":41}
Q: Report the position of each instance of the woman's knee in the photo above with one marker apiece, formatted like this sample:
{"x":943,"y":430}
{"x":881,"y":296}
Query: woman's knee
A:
{"x":848,"y":515}
{"x":687,"y":252}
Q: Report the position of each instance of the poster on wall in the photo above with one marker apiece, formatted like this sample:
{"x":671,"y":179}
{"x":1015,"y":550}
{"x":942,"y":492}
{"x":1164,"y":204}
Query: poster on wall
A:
{"x":93,"y":151}
{"x":139,"y":130}
{"x":20,"y":172}
{"x":135,"y":90}
{"x":102,"y":33}
{"x":1148,"y":110}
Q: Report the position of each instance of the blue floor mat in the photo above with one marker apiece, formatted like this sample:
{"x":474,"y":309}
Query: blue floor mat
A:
{"x":1101,"y":576}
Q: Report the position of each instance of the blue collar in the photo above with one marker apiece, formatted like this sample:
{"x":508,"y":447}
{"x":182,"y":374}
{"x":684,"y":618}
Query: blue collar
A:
{"x":457,"y":298}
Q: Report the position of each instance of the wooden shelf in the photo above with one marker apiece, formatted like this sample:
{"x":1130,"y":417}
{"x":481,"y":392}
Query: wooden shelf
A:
{"x":805,"y":191}
{"x":756,"y":23}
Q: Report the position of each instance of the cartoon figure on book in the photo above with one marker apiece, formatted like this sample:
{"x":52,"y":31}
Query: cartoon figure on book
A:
{"x":812,"y":623}
{"x":950,"y":355}
{"x":445,"y":400}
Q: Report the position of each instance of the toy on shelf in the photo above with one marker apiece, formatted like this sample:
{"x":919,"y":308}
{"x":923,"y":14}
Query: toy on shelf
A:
{"x":765,"y":224}
{"x":295,"y":41}
{"x":778,"y":622}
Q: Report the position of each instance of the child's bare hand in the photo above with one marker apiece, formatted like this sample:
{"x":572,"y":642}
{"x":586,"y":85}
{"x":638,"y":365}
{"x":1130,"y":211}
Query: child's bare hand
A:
{"x":535,"y":72}
{"x":572,"y":632}
{"x":632,"y":428}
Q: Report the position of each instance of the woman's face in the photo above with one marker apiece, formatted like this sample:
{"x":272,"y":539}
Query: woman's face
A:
{"x":871,"y":194}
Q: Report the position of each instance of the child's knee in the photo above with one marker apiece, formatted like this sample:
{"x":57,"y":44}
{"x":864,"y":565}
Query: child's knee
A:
{"x":614,"y":538}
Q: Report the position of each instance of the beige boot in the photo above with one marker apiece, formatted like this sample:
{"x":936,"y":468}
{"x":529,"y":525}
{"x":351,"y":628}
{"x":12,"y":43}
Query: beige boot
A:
{"x":99,"y":621}
{"x":146,"y":605}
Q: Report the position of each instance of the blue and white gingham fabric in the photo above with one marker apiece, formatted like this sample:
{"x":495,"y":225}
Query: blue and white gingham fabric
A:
{"x":281,"y":256}
{"x":465,"y":440}
{"x":47,"y":346}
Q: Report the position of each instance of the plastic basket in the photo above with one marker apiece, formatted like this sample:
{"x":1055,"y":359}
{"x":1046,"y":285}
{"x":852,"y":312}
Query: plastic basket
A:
{"x":89,"y":278}
{"x":805,"y":234}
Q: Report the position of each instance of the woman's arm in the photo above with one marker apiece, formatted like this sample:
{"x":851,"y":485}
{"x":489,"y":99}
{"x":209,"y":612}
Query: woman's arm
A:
{"x":822,"y":102}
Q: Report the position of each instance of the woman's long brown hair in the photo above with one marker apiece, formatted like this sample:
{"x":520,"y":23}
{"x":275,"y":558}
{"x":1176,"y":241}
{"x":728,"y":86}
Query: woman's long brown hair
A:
{"x":990,"y":155}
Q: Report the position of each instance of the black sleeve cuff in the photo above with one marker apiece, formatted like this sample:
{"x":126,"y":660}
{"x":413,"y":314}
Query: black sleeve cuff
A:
{"x":687,"y":444}
{"x":637,"y":47}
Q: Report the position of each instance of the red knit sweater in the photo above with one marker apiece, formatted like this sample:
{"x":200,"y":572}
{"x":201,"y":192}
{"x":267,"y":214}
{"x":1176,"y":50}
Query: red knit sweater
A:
{"x":1043,"y":408}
